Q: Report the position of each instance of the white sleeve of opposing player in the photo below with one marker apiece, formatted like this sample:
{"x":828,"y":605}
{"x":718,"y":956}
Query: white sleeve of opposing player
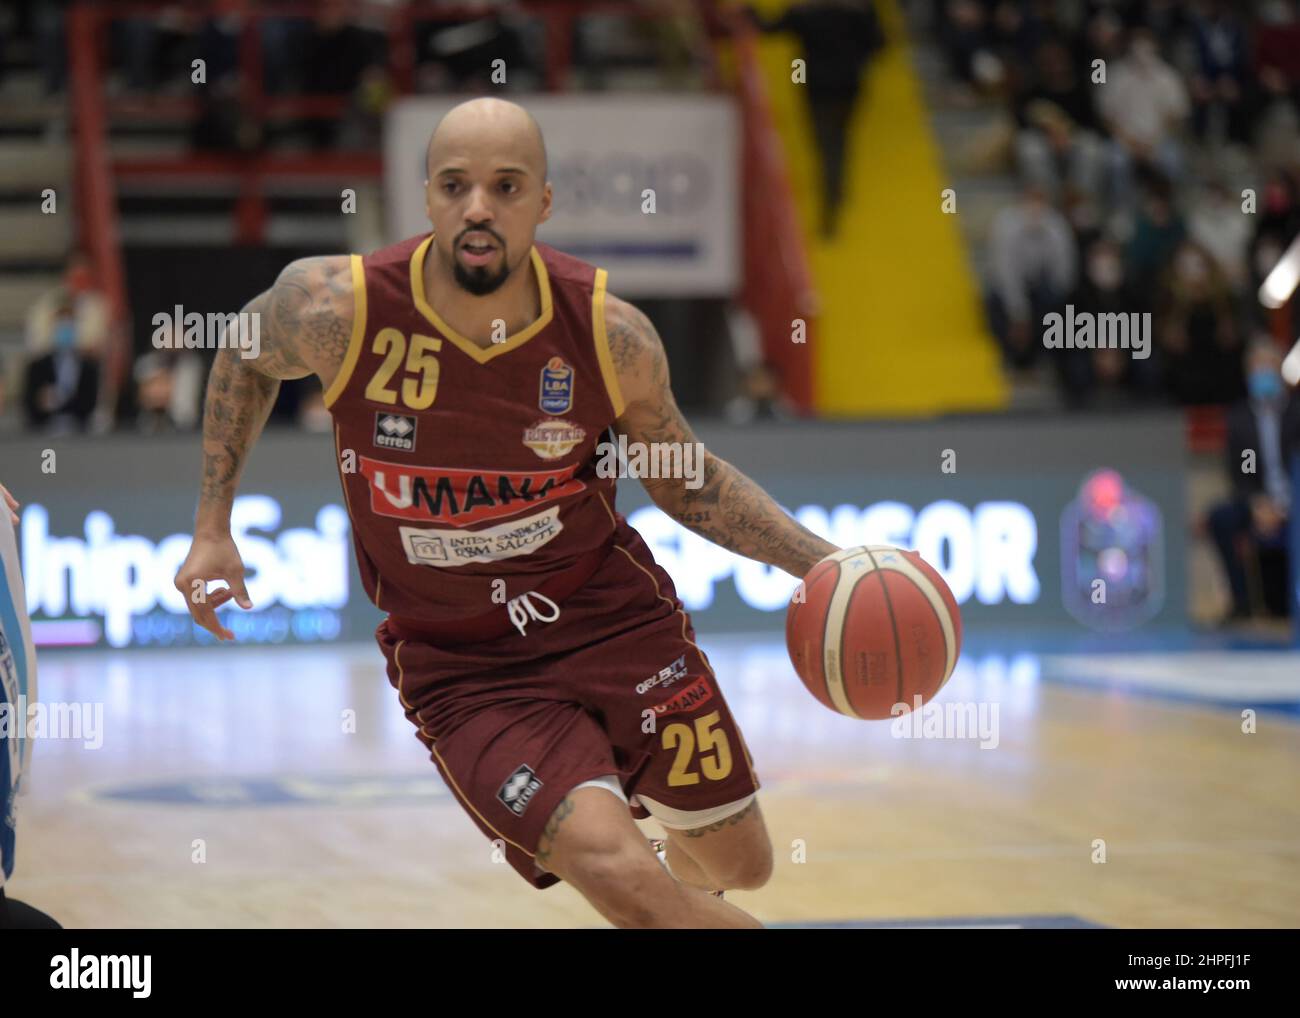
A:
{"x":17,"y":674}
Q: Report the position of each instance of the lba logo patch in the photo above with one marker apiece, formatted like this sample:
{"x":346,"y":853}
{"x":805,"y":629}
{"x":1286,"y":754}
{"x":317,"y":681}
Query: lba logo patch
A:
{"x":395,"y":431}
{"x":519,"y":789}
{"x":557,"y":387}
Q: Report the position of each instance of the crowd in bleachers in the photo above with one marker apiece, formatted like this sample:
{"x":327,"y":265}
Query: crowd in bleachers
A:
{"x":1157,"y":146}
{"x":1158,"y":151}
{"x":339,"y":49}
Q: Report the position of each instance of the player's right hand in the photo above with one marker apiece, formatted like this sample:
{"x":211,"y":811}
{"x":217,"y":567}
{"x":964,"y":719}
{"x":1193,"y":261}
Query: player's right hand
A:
{"x":211,"y":559}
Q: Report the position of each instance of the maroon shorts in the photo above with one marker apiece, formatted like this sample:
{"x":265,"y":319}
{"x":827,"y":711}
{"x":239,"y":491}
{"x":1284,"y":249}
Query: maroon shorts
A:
{"x":615,"y":685}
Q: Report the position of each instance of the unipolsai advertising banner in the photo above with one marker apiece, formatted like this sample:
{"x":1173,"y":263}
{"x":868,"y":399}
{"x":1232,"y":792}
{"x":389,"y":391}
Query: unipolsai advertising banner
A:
{"x":1022,"y":527}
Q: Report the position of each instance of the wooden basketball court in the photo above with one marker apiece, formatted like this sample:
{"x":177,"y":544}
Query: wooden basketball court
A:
{"x":230,"y":792}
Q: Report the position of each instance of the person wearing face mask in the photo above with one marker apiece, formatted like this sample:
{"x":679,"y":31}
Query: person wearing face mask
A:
{"x":1263,"y":440}
{"x":61,"y":386}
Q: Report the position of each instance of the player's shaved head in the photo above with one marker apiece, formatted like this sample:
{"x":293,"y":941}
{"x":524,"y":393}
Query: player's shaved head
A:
{"x":469,"y":125}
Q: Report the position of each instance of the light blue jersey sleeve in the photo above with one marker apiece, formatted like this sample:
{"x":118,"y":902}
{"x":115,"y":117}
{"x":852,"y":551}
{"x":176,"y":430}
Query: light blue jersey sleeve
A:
{"x":17,"y":688}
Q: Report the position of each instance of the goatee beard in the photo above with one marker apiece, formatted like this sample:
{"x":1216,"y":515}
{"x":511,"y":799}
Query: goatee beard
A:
{"x":480,"y":280}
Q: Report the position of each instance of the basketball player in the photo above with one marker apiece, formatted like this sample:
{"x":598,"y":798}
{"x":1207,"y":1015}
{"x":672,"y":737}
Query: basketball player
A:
{"x":539,"y":650}
{"x":17,"y":687}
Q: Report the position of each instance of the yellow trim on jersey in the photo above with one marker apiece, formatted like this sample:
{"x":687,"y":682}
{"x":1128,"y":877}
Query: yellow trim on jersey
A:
{"x":602,"y":344}
{"x":473,"y":349}
{"x":358,"y":333}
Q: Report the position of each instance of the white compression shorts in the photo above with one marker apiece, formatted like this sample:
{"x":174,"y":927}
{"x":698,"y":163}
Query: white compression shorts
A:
{"x":674,"y":819}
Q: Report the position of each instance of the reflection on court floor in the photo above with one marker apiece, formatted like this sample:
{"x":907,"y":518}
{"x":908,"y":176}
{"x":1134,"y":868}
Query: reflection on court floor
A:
{"x":283,"y":787}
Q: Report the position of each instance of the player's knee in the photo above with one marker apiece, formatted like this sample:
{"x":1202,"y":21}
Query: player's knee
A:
{"x":746,"y":871}
{"x":626,"y":884}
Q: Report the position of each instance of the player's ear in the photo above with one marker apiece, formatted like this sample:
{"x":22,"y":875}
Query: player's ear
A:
{"x":546,"y":203}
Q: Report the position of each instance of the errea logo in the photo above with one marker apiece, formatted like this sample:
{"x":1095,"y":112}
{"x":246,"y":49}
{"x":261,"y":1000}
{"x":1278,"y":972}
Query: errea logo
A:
{"x":395,"y":431}
{"x":519,"y":789}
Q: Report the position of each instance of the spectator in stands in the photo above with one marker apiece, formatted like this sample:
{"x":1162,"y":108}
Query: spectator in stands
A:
{"x":1157,"y":233}
{"x":1102,"y":376}
{"x":218,"y":41}
{"x":1275,"y":97}
{"x":1197,"y":331}
{"x":284,"y":41}
{"x":90,"y":308}
{"x":155,"y":50}
{"x":61,"y":386}
{"x":1263,"y":441}
{"x":1216,"y":223}
{"x":337,"y":55}
{"x":1220,"y":81}
{"x":1060,"y":80}
{"x":168,"y":391}
{"x":458,"y":54}
{"x":837,"y":37}
{"x":964,"y":36}
{"x":1277,"y":223}
{"x":1012,"y":34}
{"x":224,"y":124}
{"x":1057,"y":145}
{"x":51,"y":39}
{"x":760,"y":397}
{"x":154,"y":382}
{"x":1102,"y":39}
{"x":1142,"y":104}
{"x":1067,"y":162}
{"x":1033,"y":263}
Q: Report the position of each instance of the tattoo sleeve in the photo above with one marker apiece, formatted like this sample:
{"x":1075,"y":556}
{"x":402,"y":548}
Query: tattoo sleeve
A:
{"x":304,"y":324}
{"x":728,"y":508}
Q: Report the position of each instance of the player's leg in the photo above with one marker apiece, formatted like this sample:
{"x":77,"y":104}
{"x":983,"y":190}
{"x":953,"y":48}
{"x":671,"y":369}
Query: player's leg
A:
{"x":518,"y":763}
{"x":683,"y":867}
{"x":732,"y":852}
{"x":590,"y":841}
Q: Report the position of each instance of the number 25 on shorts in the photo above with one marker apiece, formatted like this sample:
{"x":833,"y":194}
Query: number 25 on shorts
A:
{"x":714,"y":751}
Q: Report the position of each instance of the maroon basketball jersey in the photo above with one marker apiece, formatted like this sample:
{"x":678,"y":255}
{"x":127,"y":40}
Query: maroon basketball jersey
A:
{"x":463,"y":465}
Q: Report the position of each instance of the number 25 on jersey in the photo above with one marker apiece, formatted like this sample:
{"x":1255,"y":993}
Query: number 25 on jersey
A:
{"x":419,"y":368}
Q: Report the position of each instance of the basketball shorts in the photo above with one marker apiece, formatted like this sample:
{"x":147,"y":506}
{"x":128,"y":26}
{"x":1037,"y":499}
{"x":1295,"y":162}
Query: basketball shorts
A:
{"x":613,"y":684}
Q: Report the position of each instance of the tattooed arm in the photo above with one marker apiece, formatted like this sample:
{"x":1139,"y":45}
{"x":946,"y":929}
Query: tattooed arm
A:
{"x":728,"y":508}
{"x":304,"y":322}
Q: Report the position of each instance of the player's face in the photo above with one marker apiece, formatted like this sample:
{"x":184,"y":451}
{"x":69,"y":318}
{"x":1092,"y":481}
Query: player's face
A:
{"x":485,"y":208}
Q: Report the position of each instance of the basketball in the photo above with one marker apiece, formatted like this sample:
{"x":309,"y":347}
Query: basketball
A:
{"x":871,"y":627}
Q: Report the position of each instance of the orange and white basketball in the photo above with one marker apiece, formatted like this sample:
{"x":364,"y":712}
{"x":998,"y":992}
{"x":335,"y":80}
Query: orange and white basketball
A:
{"x":871,"y":627}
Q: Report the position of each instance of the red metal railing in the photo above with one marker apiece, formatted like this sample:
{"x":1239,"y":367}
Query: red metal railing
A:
{"x":778,"y":287}
{"x":97,"y":233}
